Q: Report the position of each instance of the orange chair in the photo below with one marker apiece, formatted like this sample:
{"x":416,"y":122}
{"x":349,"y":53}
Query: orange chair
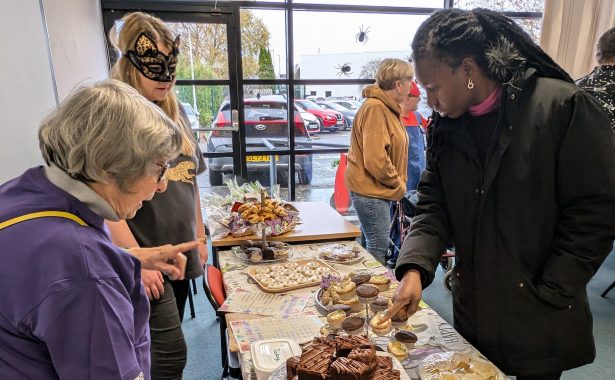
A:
{"x":214,"y":289}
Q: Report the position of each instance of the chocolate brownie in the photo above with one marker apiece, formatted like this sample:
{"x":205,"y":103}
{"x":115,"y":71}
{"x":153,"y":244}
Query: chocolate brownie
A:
{"x":291,"y":367}
{"x":385,"y":362}
{"x":348,"y":369}
{"x":315,"y":361}
{"x":385,"y":374}
{"x":327,"y":341}
{"x":366,"y":356}
{"x":345,"y":344}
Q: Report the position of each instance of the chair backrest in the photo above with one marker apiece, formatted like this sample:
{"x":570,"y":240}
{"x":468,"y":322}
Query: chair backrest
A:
{"x":213,"y":286}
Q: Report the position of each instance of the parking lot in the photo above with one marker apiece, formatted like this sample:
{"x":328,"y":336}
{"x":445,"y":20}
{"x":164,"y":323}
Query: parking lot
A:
{"x":323,"y":173}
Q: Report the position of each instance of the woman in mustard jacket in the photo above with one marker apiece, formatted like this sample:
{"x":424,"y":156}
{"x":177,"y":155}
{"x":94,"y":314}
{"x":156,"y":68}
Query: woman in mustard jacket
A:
{"x":378,"y":154}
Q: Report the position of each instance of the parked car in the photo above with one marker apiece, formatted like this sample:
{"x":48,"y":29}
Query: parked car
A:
{"x":350,"y":104}
{"x":193,"y":118}
{"x":315,"y":98}
{"x":329,"y":120}
{"x":264,"y":119}
{"x":311,"y":122}
{"x":348,"y":114}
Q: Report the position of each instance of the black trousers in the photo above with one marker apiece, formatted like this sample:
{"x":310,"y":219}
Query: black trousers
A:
{"x":168,"y":348}
{"x":546,"y":376}
{"x":181,"y":289}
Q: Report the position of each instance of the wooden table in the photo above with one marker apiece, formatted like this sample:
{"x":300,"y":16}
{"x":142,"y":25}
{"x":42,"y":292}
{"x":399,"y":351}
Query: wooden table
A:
{"x":319,"y":222}
{"x":435,"y":334}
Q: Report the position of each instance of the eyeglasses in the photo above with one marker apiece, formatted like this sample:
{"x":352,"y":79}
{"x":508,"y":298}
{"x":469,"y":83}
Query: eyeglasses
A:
{"x":163,"y":171}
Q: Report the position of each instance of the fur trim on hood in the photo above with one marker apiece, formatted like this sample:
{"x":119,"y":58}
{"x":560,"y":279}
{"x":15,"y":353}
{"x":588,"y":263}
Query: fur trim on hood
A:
{"x":504,"y":62}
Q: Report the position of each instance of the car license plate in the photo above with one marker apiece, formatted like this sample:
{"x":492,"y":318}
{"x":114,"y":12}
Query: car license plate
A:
{"x":260,"y":158}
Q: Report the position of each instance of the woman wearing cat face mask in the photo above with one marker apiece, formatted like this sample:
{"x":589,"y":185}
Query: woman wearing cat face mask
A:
{"x":148,"y":58}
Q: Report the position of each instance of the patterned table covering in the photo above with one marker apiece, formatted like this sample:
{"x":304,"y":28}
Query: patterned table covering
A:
{"x":434,"y":333}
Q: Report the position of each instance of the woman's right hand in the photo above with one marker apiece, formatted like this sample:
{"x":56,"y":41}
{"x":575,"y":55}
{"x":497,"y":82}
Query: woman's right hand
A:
{"x":153,"y":283}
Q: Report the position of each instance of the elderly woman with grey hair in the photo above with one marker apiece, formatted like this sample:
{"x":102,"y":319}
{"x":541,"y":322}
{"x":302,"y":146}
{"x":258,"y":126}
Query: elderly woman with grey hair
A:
{"x":73,"y":305}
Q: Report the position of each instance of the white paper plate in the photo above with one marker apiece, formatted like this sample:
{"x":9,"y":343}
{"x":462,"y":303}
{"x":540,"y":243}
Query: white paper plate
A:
{"x":327,"y":253}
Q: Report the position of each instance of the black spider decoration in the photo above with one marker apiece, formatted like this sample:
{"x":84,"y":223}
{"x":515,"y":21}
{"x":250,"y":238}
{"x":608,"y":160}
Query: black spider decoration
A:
{"x":362,"y":35}
{"x":344,"y":69}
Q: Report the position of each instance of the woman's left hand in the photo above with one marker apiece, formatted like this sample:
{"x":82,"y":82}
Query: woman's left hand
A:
{"x":203,"y":253}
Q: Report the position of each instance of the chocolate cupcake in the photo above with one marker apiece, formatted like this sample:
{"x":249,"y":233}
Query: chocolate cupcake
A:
{"x":367,"y":293}
{"x":340,"y":306}
{"x":247,"y":244}
{"x":406,"y":337}
{"x":380,"y":304}
{"x":353,"y":325}
{"x":251,"y":251}
{"x":360,"y":279}
{"x":268,"y":254}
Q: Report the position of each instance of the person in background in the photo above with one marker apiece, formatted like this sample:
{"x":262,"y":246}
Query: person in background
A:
{"x":600,"y":83}
{"x":147,"y":62}
{"x":73,"y":306}
{"x":415,"y":126}
{"x":378,"y":156}
{"x":520,"y":177}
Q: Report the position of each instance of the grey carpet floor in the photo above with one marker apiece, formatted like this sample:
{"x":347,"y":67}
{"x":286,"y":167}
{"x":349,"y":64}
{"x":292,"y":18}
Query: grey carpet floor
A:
{"x":202,"y":333}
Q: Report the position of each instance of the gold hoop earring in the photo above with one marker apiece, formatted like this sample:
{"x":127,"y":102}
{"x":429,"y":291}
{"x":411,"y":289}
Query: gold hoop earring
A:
{"x":470,"y":83}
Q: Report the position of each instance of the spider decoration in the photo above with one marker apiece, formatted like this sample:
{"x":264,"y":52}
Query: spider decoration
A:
{"x":344,"y":69}
{"x":362,"y":35}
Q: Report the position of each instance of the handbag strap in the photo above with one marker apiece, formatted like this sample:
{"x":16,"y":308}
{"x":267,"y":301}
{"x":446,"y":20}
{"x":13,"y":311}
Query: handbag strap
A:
{"x":42,"y":214}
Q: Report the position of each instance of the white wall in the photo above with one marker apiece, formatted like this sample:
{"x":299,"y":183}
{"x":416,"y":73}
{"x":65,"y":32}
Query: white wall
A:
{"x":31,"y":83}
{"x":77,"y":41}
{"x":26,"y":85}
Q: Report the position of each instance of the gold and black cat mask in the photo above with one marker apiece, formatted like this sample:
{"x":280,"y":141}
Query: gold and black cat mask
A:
{"x":151,"y":62}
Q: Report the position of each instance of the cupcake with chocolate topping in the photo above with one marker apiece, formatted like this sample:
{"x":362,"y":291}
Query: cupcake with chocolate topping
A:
{"x":407,"y":337}
{"x":360,"y":279}
{"x":380,"y":304}
{"x":353,"y":325}
{"x":367,"y":293}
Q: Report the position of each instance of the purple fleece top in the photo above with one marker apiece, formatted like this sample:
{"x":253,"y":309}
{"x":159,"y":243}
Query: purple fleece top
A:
{"x":72,"y":304}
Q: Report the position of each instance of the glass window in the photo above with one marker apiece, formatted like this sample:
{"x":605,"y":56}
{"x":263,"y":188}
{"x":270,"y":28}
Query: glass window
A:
{"x":263,"y":44}
{"x":383,"y":3}
{"x":203,"y":51}
{"x":333,"y":115}
{"x":327,"y":181}
{"x":266,"y":118}
{"x":503,"y":5}
{"x":201,"y":104}
{"x":533,"y":27}
{"x":352,"y":45}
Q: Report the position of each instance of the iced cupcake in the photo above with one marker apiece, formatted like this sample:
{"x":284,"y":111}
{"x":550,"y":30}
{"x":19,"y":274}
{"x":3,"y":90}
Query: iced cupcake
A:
{"x":381,"y":282}
{"x":397,"y":349}
{"x":336,"y":318}
{"x":380,"y":328}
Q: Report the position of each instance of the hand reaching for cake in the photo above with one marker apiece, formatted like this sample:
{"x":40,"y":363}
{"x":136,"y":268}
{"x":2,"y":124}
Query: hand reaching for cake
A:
{"x":407,"y":296}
